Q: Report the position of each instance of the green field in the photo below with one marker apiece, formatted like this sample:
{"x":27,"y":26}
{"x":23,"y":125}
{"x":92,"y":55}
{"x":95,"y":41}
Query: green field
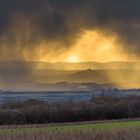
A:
{"x":97,"y":126}
{"x":69,"y":128}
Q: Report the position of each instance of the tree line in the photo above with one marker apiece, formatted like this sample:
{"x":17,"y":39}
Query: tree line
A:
{"x":99,"y":108}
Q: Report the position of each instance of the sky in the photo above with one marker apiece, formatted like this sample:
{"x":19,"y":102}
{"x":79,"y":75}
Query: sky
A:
{"x":69,"y":30}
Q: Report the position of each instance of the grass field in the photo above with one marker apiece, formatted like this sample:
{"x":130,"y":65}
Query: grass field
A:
{"x":72,"y":128}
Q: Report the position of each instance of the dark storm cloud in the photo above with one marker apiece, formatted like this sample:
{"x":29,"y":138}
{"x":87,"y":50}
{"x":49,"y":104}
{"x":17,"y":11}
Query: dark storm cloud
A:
{"x":63,"y":19}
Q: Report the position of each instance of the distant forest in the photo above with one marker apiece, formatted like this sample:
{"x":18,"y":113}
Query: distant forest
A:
{"x":99,"y":108}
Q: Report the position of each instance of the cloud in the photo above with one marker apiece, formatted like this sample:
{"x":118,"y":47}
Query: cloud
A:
{"x":26,"y":26}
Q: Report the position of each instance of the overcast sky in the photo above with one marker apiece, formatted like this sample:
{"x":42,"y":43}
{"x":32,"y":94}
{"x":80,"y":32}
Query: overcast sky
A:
{"x":34,"y":28}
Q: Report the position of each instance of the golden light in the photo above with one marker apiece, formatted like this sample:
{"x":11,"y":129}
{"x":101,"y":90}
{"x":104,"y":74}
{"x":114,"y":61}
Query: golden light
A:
{"x":97,"y":46}
{"x":89,"y":45}
{"x":73,"y":59}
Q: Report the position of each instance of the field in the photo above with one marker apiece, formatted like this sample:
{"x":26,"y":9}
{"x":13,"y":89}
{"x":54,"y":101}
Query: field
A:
{"x":98,"y":131}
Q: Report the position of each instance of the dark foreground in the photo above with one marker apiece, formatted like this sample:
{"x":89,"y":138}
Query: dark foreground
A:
{"x":115,"y":134}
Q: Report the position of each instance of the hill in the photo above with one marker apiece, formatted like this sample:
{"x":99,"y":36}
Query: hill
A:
{"x":37,"y":74}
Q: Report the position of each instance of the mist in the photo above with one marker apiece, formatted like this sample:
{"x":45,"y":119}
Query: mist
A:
{"x":71,"y":31}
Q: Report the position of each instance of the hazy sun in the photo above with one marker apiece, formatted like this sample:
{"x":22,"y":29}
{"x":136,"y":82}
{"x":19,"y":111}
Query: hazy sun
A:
{"x":73,"y":59}
{"x":90,"y":45}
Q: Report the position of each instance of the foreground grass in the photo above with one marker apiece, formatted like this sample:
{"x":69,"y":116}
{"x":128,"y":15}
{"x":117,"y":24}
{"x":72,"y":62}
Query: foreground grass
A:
{"x":91,"y":134}
{"x":69,"y":128}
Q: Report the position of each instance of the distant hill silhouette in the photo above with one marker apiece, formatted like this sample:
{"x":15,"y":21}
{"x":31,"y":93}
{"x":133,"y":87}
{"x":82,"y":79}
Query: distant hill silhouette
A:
{"x":36,"y":74}
{"x":106,"y":76}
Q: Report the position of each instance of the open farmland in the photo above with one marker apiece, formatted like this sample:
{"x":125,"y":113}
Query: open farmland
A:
{"x":96,"y":131}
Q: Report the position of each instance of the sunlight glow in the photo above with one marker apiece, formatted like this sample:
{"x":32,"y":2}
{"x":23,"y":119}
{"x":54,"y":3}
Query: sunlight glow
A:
{"x":73,"y":59}
{"x":89,"y":45}
{"x":97,"y":46}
